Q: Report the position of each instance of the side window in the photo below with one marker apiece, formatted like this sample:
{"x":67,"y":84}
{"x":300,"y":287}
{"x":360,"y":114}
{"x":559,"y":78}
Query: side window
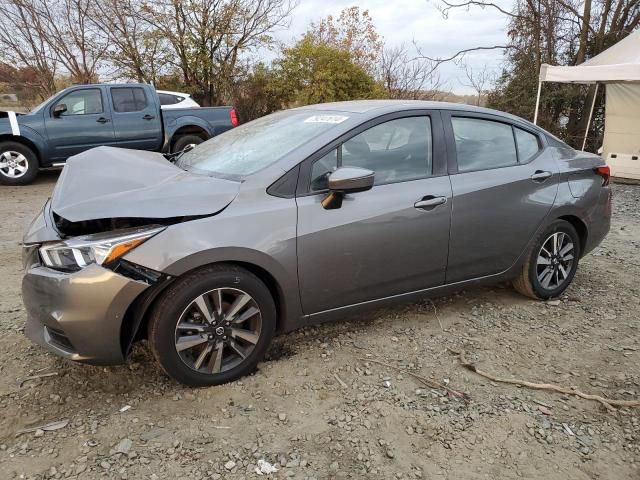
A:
{"x":166,"y":99}
{"x":528,"y":145}
{"x":321,"y":170}
{"x":82,"y":102}
{"x":397,"y":150}
{"x":128,"y":99}
{"x":483,"y":144}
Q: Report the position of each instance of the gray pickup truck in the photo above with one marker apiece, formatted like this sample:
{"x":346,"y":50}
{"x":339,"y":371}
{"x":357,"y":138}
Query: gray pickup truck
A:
{"x":87,"y":116}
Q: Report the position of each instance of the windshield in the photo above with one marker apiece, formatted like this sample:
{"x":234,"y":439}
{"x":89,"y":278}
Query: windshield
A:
{"x":255,"y":145}
{"x":38,"y":107}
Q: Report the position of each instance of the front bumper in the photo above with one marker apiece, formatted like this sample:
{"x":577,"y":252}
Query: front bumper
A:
{"x":78,"y":315}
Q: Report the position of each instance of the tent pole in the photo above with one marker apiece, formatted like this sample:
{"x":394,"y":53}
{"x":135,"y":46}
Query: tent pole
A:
{"x":593,"y":104}
{"x":535,"y":115}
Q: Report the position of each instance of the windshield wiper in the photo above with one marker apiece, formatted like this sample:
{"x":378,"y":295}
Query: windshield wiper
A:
{"x":174,"y":157}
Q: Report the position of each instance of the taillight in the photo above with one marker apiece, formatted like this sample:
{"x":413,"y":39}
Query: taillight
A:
{"x":605,"y":173}
{"x":234,"y":117}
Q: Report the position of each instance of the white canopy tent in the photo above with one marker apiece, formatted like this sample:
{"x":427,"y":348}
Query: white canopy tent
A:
{"x":618,"y":68}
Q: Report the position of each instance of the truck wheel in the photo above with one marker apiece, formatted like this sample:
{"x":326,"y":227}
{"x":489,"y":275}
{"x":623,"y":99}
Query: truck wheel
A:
{"x":18,"y":164}
{"x":185,"y":140}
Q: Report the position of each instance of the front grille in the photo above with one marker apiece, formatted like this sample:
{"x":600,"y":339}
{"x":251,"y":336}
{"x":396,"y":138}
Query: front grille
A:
{"x":59,"y":338}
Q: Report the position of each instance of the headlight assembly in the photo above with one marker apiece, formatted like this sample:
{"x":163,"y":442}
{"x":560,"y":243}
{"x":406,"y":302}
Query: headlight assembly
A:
{"x":101,"y":248}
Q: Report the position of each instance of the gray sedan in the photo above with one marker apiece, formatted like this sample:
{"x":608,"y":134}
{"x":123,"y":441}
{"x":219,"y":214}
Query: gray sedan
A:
{"x":296,"y":218}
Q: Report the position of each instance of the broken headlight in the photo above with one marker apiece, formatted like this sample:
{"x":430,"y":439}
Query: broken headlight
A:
{"x":100,"y":248}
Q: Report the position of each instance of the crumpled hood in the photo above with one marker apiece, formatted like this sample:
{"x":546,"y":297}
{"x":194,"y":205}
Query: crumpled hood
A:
{"x":108,"y":182}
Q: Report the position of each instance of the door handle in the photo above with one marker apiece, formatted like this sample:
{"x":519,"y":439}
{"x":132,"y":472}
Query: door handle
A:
{"x":429,"y":202}
{"x":540,"y":176}
{"x":102,"y":120}
{"x":148,"y":117}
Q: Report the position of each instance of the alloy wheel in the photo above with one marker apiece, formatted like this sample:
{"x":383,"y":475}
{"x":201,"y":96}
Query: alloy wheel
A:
{"x":13,"y":164}
{"x":555,"y":261}
{"x":218,"y":330}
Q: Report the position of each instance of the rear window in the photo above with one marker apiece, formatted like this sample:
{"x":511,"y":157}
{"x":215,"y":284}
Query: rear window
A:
{"x":167,"y":99}
{"x":255,"y":145}
{"x":128,"y":99}
{"x":556,"y":142}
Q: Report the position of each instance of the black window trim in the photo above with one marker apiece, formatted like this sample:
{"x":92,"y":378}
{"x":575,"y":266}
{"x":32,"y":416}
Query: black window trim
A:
{"x":56,"y":102}
{"x":146,"y":99}
{"x":438,"y":148}
{"x":447,"y":115}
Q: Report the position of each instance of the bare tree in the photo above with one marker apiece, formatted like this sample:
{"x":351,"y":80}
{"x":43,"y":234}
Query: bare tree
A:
{"x":207,"y":37}
{"x":22,"y":43}
{"x":557,"y":32}
{"x":136,"y":49}
{"x":354,"y":31}
{"x":66,"y":27}
{"x":479,"y":80}
{"x":405,"y":76}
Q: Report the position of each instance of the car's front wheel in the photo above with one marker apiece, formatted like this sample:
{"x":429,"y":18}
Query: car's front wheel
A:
{"x":551,"y":263}
{"x":212,"y":326}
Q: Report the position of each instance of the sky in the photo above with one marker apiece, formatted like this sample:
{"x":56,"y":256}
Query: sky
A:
{"x":420,"y":20}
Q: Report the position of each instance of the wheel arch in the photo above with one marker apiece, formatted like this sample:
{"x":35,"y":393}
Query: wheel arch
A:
{"x":136,"y":318}
{"x":187,"y":125}
{"x":24,"y":141}
{"x":580,"y":227}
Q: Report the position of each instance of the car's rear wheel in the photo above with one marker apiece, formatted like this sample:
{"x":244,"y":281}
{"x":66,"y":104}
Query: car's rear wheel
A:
{"x":551,"y":263}
{"x":185,"y":140}
{"x":18,"y":164}
{"x":212,"y":326}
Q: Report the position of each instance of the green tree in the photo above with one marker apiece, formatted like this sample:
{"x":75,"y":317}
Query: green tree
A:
{"x":258,"y":93}
{"x":313,"y":73}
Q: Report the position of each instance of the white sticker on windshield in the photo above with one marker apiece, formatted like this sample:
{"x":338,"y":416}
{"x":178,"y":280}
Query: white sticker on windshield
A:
{"x":326,"y":119}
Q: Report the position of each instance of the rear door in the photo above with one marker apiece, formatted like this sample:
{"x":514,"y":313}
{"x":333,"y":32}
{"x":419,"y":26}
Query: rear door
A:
{"x":136,"y":118}
{"x":504,"y":183}
{"x":390,"y":240}
{"x":85,"y":124}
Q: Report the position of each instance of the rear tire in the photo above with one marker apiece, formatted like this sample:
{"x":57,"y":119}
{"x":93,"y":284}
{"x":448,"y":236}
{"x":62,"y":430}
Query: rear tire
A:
{"x":18,"y":164}
{"x":548,"y":271}
{"x":185,"y":140}
{"x":201,"y":348}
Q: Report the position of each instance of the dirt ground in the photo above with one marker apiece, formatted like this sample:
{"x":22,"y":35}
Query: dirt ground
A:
{"x":320,"y":407}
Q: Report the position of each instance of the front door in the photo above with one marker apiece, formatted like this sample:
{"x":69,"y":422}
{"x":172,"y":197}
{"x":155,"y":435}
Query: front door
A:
{"x":136,"y":119}
{"x":85,"y":124}
{"x":390,"y":240}
{"x":505,"y":185}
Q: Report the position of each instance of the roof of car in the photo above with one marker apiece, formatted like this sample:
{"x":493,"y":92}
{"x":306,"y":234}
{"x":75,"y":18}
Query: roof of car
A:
{"x":387,"y":106}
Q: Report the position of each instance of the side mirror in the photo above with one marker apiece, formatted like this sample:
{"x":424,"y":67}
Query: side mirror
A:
{"x":59,"y":109}
{"x":347,"y":180}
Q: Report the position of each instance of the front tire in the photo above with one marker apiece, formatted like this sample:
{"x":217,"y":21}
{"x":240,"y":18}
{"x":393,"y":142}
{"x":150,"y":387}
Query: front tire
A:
{"x":551,"y":262}
{"x":18,"y":164}
{"x":212,"y":326}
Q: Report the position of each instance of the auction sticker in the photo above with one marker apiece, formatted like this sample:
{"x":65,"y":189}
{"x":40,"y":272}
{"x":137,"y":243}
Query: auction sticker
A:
{"x":326,"y":119}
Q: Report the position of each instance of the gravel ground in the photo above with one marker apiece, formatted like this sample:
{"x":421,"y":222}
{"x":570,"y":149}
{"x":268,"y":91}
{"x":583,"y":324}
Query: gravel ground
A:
{"x":321,"y":407}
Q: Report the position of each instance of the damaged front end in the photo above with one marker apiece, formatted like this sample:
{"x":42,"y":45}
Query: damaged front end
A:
{"x":79,"y":292}
{"x":84,"y":300}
